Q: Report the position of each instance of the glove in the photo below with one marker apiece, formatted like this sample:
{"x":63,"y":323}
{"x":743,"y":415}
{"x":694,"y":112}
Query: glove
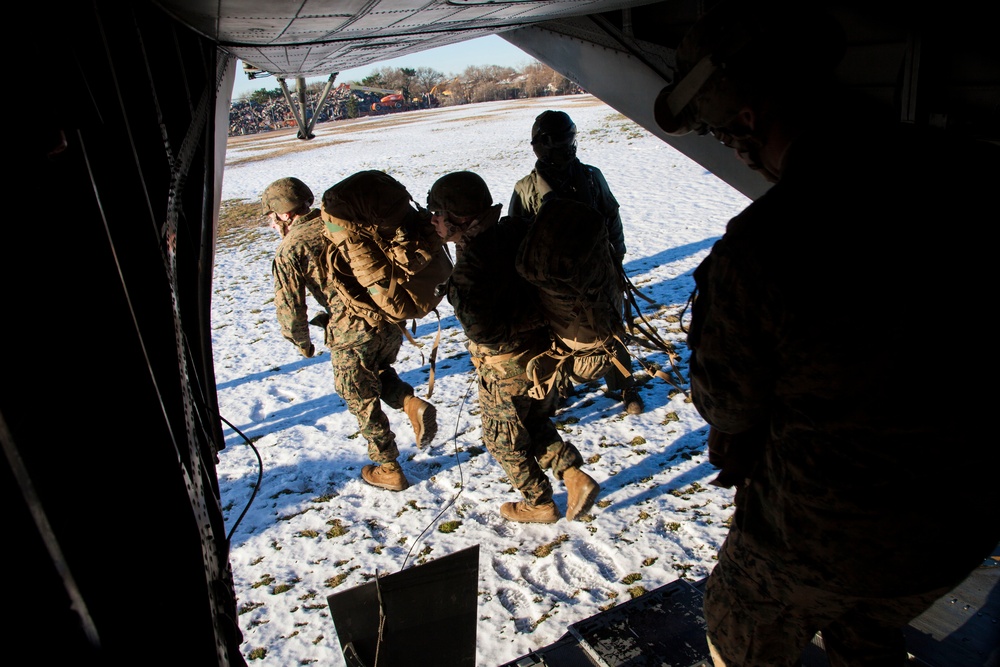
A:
{"x":307,"y":351}
{"x":736,"y":455}
{"x":320,"y":320}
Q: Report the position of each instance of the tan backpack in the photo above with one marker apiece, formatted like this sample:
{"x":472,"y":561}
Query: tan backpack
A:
{"x":389,"y":263}
{"x":566,"y":255}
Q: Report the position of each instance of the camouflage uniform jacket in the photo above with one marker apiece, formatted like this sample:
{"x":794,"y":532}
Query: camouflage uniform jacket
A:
{"x":497,"y":308}
{"x":300,"y":268}
{"x":580,"y":182}
{"x":810,"y":332}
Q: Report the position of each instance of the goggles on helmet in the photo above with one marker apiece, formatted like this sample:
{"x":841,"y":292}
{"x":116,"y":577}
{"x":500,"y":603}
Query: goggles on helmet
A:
{"x":561,"y":140}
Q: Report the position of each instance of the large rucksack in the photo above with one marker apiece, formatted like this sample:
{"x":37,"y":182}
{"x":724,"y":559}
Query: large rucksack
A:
{"x":388,"y":261}
{"x":567,"y":256}
{"x":585,"y":296}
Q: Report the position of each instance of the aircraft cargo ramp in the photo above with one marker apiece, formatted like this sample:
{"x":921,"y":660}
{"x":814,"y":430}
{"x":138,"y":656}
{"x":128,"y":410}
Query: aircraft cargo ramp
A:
{"x":665,"y":628}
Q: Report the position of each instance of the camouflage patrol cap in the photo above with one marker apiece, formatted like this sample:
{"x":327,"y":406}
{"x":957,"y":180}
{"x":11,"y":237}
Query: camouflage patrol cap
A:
{"x":286,"y":195}
{"x":742,"y":49}
{"x":461,"y":193}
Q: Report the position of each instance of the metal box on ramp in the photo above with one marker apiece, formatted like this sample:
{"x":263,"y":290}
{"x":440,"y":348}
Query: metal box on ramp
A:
{"x":662,"y":628}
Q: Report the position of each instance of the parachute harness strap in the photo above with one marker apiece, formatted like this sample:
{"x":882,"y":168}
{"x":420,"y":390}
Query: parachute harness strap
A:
{"x":541,"y":388}
{"x":650,"y":339}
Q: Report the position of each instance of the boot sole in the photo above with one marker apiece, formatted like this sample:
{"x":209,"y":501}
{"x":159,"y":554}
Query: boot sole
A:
{"x":428,"y":420}
{"x":388,"y":487}
{"x":585,"y":503}
{"x":513,"y":520}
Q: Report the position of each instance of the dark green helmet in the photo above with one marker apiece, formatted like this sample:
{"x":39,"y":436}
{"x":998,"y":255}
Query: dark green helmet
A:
{"x":286,"y":195}
{"x":553,"y":138}
{"x":461,"y":193}
{"x":553,"y":128}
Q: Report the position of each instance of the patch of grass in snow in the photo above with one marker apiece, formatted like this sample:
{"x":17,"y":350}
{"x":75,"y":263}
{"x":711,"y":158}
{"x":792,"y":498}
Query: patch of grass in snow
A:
{"x":248,"y":607}
{"x":637,"y":591}
{"x":284,"y":588}
{"x":240,"y":222}
{"x":337,"y":528}
{"x":287,"y":149}
{"x":449,"y":526}
{"x":546,"y":549}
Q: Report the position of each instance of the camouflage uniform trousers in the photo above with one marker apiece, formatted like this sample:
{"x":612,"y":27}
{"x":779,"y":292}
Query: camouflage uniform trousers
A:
{"x":759,"y":617}
{"x":518,"y":430}
{"x":363,"y":376}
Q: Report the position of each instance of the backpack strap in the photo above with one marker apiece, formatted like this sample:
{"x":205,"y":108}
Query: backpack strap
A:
{"x":417,"y":344}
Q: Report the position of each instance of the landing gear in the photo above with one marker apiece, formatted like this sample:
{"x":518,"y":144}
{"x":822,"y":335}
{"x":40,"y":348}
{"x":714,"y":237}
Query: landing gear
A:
{"x":299,"y":112}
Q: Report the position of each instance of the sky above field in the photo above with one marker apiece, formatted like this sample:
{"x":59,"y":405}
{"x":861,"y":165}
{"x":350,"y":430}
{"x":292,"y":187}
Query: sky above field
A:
{"x":449,"y":60}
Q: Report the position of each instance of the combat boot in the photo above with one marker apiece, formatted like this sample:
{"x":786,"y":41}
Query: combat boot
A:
{"x":581,"y":491}
{"x":632,"y":401}
{"x":522,"y":512}
{"x":386,"y":476}
{"x":423,"y":416}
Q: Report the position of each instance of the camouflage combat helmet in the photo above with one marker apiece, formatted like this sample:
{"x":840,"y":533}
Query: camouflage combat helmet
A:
{"x":286,"y":195}
{"x":741,"y":49}
{"x":461,"y":193}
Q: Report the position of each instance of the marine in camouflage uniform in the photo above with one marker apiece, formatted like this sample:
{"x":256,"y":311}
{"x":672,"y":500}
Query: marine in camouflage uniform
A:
{"x":361,"y":355}
{"x":500,"y":314}
{"x":558,"y":170}
{"x":809,"y":349}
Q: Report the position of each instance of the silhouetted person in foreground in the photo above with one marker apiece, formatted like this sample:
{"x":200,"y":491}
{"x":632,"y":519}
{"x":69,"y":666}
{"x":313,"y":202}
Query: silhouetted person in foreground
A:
{"x":837,"y":347}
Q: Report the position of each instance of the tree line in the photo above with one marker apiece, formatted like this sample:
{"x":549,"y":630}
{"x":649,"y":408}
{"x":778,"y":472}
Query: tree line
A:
{"x":476,"y":84}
